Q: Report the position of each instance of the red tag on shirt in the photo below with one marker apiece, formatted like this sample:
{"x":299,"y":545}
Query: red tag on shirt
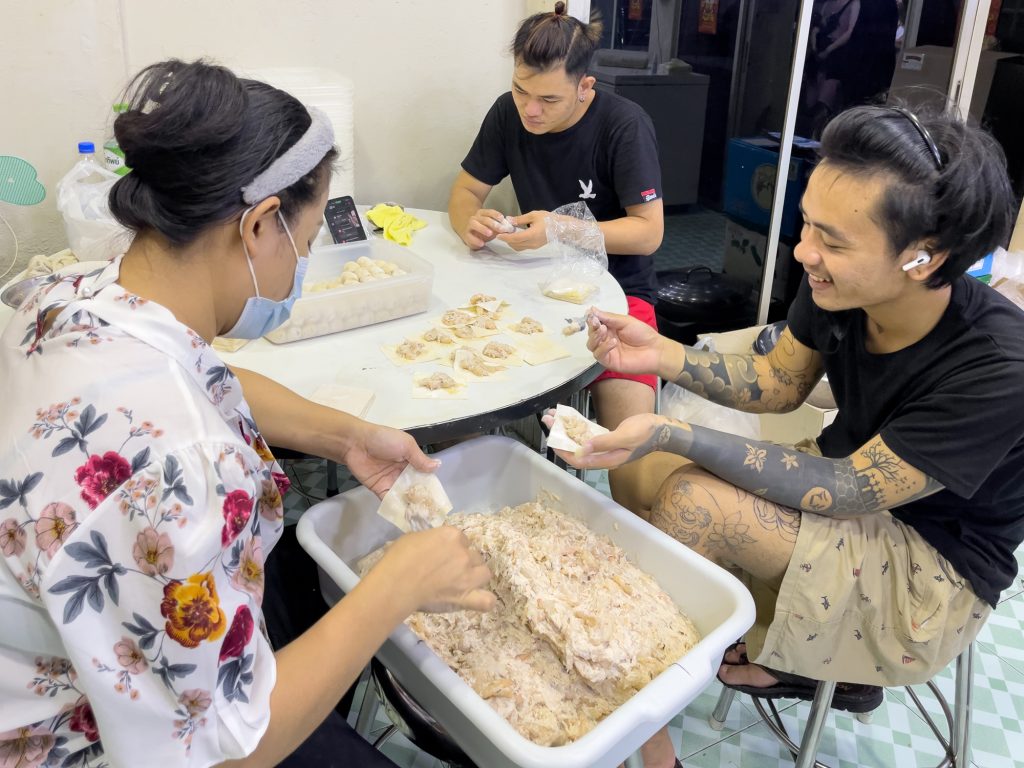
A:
{"x":648,"y":195}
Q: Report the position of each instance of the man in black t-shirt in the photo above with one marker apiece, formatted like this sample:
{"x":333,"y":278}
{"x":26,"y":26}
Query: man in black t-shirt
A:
{"x":561,"y":142}
{"x":889,"y":541}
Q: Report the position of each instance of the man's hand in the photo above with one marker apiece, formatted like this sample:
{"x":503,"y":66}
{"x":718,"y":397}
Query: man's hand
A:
{"x":481,"y":228}
{"x":535,"y":234}
{"x":377,"y":455}
{"x":622,"y":343}
{"x":633,"y":439}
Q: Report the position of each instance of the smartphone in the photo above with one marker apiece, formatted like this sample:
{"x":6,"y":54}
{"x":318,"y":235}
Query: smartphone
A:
{"x":343,"y":220}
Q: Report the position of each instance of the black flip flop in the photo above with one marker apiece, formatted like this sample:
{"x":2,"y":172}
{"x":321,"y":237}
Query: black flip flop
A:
{"x":856,"y":698}
{"x":743,"y":658}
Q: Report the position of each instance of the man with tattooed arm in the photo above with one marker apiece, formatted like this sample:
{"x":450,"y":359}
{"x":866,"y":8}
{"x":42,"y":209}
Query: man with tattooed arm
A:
{"x":887,"y":541}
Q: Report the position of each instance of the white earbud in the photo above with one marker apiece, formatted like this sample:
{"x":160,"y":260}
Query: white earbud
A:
{"x":923,"y":257}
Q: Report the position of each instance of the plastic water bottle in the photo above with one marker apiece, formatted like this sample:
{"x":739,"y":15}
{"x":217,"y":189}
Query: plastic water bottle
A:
{"x":113,"y":155}
{"x":89,"y":169}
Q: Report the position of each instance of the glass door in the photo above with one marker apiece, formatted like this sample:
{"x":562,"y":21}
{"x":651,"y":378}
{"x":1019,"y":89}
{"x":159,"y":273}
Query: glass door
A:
{"x":850,"y":52}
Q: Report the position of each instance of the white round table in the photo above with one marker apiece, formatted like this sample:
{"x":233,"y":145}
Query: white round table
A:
{"x":354,"y":358}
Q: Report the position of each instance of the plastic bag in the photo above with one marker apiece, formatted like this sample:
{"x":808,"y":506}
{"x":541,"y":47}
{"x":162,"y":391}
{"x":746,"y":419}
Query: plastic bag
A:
{"x":581,"y":258}
{"x":684,"y":405}
{"x":82,"y":199}
{"x":1008,"y":275}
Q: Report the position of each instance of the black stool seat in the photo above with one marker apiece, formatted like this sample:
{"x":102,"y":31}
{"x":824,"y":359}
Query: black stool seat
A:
{"x":416,"y":724}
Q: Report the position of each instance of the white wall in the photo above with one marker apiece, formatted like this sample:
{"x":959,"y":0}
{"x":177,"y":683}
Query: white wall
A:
{"x":424,"y":72}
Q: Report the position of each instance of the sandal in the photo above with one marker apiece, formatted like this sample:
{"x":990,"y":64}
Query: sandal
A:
{"x":733,"y":648}
{"x":856,"y":698}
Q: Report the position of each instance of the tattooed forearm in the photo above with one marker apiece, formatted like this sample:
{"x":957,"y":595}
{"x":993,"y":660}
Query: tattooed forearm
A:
{"x":724,"y":379}
{"x":871,"y":480}
{"x":773,"y":383}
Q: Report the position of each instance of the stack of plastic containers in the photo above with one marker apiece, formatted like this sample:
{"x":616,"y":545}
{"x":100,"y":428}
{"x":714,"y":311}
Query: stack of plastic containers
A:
{"x":332,"y":93}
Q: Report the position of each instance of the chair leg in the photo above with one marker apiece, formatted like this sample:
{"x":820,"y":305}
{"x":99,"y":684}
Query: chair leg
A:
{"x":332,"y":478}
{"x":808,"y":755}
{"x":717,"y":718}
{"x":367,"y":710}
{"x":961,"y":736}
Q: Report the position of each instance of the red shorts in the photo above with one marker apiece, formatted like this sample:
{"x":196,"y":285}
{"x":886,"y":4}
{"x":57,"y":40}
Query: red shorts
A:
{"x":643,"y":311}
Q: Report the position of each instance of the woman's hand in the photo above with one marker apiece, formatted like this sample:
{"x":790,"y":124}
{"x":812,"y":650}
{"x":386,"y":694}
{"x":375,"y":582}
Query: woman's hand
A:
{"x":633,"y":439}
{"x":622,"y":343}
{"x":377,"y":455}
{"x":439,"y":570}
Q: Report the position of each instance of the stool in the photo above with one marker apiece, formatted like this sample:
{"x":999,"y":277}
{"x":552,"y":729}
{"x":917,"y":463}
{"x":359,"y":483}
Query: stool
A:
{"x":407,"y":717}
{"x":958,"y":721}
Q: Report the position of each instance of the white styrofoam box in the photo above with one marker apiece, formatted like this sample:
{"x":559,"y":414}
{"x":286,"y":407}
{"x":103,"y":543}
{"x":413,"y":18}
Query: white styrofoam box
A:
{"x":484,"y":475}
{"x":353,"y":306}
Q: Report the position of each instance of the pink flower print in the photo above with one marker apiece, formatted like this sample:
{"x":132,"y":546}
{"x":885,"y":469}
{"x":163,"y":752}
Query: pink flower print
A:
{"x":271,"y":504}
{"x":238,"y":635}
{"x":12,"y":538}
{"x":237,"y":509}
{"x":84,"y":721}
{"x":153,"y":552}
{"x":130,"y":656}
{"x":26,"y":747}
{"x":55,"y":524}
{"x":283,"y":482}
{"x":250,"y":575}
{"x":100,"y":475}
{"x":195,"y":701}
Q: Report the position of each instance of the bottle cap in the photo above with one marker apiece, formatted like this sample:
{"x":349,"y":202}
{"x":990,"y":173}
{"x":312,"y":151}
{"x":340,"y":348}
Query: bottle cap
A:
{"x":86,"y":147}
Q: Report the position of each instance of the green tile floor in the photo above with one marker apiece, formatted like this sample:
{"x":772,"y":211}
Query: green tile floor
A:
{"x":897,"y":736}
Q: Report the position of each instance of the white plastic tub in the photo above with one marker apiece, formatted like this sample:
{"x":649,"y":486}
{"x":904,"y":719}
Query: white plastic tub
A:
{"x":353,"y":306}
{"x":484,"y":475}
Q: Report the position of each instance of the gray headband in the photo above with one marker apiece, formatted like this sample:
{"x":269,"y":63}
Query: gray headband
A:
{"x":300,"y":158}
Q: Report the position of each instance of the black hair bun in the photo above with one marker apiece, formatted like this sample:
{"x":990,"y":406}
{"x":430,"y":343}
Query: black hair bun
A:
{"x":177,"y":107}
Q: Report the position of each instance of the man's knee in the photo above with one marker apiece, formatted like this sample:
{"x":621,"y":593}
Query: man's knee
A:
{"x":637,"y":485}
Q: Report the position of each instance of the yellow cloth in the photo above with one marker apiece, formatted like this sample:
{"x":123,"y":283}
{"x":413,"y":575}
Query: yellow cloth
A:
{"x":398,"y":225}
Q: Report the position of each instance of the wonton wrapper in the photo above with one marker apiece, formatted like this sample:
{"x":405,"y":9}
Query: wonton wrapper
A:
{"x":458,"y":392}
{"x":416,"y":501}
{"x":462,"y":355}
{"x":352,"y":400}
{"x":515,"y":359}
{"x":536,"y":350}
{"x":559,"y":438}
{"x":430,"y":352}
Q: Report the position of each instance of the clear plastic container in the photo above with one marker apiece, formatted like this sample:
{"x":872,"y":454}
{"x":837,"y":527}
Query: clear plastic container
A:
{"x":354,"y":306}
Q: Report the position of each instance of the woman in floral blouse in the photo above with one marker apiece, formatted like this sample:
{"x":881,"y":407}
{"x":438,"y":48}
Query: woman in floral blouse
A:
{"x":138,"y":499}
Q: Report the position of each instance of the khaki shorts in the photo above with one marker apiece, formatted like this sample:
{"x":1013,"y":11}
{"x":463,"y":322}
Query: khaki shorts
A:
{"x":864,"y":600}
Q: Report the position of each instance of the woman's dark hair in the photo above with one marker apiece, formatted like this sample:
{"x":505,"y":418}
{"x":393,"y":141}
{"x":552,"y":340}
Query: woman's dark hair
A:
{"x":962,"y":203}
{"x":195,"y":134}
{"x":548,"y":40}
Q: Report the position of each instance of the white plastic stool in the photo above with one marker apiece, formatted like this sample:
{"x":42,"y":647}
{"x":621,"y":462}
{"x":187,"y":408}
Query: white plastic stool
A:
{"x":958,"y":721}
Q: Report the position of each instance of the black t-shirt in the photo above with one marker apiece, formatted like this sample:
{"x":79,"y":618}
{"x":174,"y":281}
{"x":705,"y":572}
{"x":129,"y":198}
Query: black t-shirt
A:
{"x":951,"y":405}
{"x":609,"y":159}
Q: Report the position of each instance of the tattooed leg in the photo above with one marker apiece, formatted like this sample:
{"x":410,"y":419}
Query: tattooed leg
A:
{"x":726,"y":524}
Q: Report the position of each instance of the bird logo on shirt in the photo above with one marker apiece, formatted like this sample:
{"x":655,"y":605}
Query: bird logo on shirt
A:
{"x":588,"y":189}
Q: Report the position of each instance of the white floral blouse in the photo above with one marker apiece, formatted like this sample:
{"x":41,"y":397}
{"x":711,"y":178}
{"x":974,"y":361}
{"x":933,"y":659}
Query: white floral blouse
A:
{"x":137,"y":505}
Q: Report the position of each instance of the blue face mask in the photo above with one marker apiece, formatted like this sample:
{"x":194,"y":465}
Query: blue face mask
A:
{"x":261,"y":315}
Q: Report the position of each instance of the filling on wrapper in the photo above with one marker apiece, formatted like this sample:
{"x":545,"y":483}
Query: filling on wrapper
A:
{"x":527,"y":326}
{"x":416,"y":501}
{"x":571,"y":429}
{"x":577,"y":630}
{"x":438,"y":386}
